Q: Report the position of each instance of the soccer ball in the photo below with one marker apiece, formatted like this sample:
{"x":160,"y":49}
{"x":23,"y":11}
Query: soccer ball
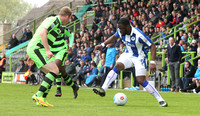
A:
{"x":120,"y":99}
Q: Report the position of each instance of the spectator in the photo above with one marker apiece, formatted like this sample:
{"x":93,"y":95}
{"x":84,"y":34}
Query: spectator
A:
{"x":74,"y":50}
{"x":98,"y":35}
{"x":86,"y":47}
{"x":178,"y":37}
{"x":165,"y":40}
{"x":82,"y":73}
{"x":31,"y":77}
{"x":114,"y":20}
{"x":189,"y":39}
{"x":160,"y":23}
{"x":94,"y":25}
{"x":92,"y":76}
{"x":22,"y":67}
{"x":78,"y":45}
{"x":102,"y":23}
{"x":85,"y":56}
{"x":174,"y":59}
{"x":13,"y":42}
{"x":109,"y":61}
{"x":95,"y":58}
{"x":184,"y":37}
{"x":189,"y":72}
{"x":196,"y":81}
{"x":194,"y":47}
{"x":102,"y":71}
{"x":174,"y":18}
{"x":70,"y":68}
{"x":98,"y":13}
{"x":78,"y":58}
{"x":23,"y":39}
{"x":91,"y":47}
{"x":2,"y":64}
{"x":29,"y":35}
{"x":70,"y":54}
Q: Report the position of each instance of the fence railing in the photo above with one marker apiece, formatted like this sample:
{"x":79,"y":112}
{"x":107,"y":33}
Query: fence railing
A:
{"x":175,"y":31}
{"x":187,"y":54}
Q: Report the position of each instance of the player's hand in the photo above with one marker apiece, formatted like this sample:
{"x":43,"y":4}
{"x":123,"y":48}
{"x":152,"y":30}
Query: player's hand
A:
{"x":30,"y":62}
{"x":152,"y":68}
{"x":49,"y":54}
{"x":98,"y":47}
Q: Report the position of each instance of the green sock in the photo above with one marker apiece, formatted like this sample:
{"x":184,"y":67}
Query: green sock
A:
{"x":46,"y":84}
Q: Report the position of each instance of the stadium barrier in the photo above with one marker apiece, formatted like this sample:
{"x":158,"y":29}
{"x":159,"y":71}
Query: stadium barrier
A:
{"x":8,"y":77}
{"x":121,"y":78}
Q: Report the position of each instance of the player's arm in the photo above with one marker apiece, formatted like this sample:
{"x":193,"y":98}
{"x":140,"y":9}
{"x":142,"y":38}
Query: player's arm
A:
{"x":111,"y":39}
{"x":71,"y":37}
{"x":43,"y":35}
{"x":153,"y":57}
{"x":153,"y":51}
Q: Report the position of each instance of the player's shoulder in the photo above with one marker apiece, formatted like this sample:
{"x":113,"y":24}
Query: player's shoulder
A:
{"x":50,"y":19}
{"x":139,"y":32}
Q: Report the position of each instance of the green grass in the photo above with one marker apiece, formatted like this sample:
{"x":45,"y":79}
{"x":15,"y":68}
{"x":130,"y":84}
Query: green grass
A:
{"x":16,"y":100}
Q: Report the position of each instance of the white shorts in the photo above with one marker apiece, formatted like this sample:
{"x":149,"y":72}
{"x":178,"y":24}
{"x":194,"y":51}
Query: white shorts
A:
{"x":129,"y":60}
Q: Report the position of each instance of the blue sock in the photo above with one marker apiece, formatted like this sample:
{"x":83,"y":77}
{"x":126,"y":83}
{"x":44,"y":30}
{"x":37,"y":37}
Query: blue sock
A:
{"x":116,"y":71}
{"x":145,"y":84}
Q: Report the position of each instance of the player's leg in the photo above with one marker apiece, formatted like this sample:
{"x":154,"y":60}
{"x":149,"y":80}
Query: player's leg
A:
{"x":60,"y":61}
{"x":58,"y":83}
{"x":122,"y":63}
{"x":69,"y":81}
{"x":140,"y":69}
{"x":51,"y":71}
{"x":112,"y":75}
{"x":47,"y":66}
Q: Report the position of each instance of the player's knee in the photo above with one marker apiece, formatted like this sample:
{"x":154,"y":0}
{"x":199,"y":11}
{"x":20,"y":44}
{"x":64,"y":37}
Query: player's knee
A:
{"x":55,"y":70}
{"x":141,"y":79}
{"x":119,"y":66}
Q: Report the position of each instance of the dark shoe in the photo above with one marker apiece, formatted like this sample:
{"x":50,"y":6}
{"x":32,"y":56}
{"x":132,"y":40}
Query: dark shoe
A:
{"x":172,"y":90}
{"x":163,"y":104}
{"x":183,"y":90}
{"x":100,"y":92}
{"x":176,"y":90}
{"x":58,"y":93}
{"x":75,"y":90}
{"x":162,"y":70}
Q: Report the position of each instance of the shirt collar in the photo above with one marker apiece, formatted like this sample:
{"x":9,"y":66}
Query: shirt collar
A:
{"x":172,"y":45}
{"x":131,"y":30}
{"x":59,"y":20}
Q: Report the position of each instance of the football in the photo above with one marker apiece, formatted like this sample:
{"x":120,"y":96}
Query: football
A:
{"x":120,"y":99}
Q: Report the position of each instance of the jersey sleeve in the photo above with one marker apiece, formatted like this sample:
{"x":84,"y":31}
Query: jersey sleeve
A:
{"x":71,"y":40}
{"x":48,"y":23}
{"x":117,"y":34}
{"x":145,"y":40}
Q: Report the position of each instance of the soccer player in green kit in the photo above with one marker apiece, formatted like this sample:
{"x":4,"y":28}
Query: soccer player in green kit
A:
{"x":48,"y":50}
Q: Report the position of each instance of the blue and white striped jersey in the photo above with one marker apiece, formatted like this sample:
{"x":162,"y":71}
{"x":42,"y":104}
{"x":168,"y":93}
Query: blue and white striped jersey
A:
{"x":135,"y":42}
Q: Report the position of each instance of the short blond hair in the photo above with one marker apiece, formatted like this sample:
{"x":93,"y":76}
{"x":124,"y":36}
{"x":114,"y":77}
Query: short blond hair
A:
{"x":65,"y":11}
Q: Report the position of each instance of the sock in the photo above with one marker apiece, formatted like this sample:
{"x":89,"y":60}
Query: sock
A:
{"x":112,"y":75}
{"x":152,"y":91}
{"x":69,"y":81}
{"x":58,"y":81}
{"x":46,"y":83}
{"x":47,"y":91}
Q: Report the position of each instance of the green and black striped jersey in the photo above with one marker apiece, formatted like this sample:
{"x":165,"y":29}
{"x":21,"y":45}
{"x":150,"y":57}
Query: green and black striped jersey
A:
{"x":55,"y":35}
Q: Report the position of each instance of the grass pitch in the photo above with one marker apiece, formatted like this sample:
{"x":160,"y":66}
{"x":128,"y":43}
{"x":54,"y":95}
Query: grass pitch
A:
{"x":16,"y":100}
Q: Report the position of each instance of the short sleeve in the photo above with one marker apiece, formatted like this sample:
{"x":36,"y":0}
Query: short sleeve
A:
{"x":117,"y":34}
